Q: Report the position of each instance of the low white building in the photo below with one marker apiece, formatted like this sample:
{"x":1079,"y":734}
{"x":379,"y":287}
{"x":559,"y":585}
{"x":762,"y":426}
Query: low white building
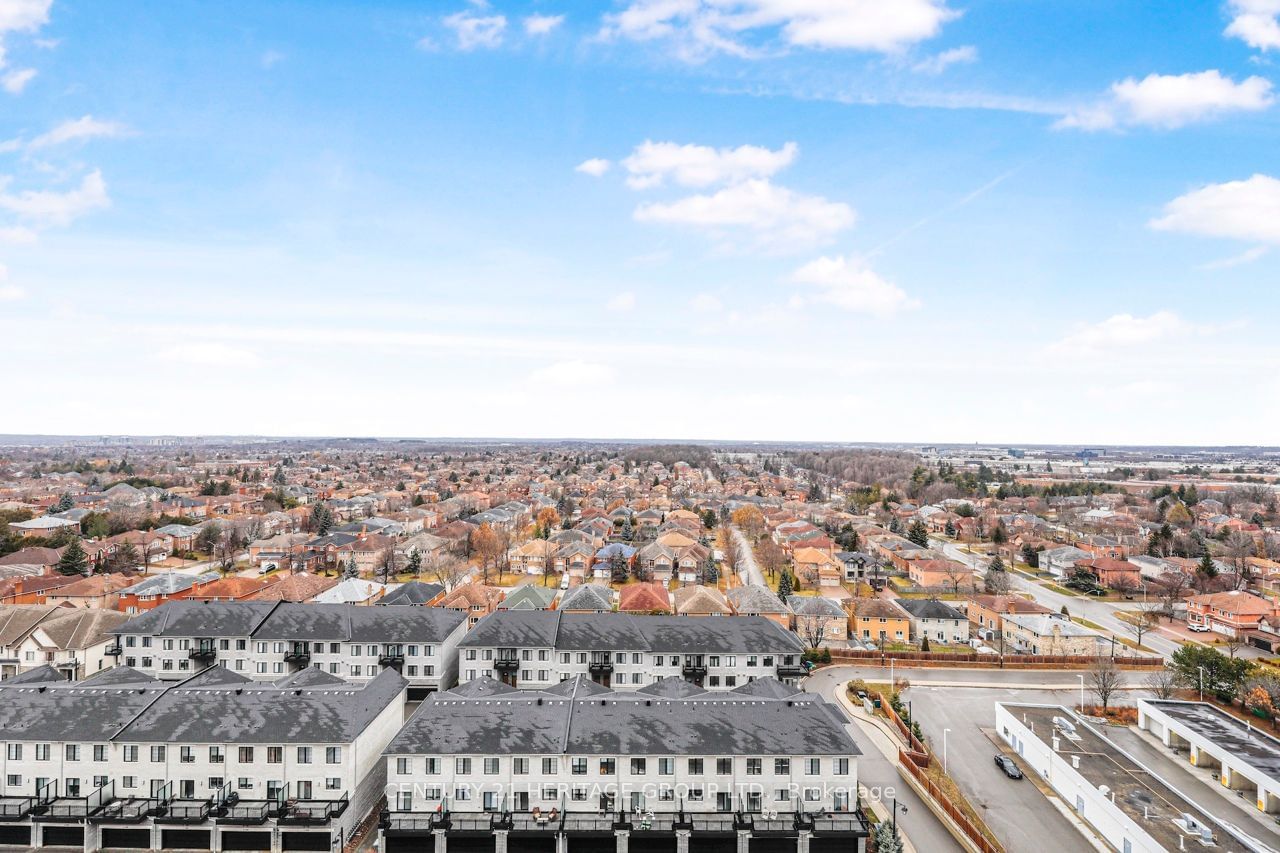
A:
{"x":1123,"y":801}
{"x":579,"y":766}
{"x":541,"y":648}
{"x":72,"y":640}
{"x":266,"y":640}
{"x":217,"y":761}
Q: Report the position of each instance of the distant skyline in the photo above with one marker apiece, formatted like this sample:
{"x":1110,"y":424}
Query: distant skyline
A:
{"x":772,"y":220}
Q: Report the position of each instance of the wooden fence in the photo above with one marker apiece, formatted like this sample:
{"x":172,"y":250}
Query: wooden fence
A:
{"x":973,"y":658}
{"x":939,"y":797}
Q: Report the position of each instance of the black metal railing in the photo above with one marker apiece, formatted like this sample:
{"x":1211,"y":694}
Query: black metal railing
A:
{"x":186,"y":812}
{"x":247,"y":813}
{"x":16,"y":808}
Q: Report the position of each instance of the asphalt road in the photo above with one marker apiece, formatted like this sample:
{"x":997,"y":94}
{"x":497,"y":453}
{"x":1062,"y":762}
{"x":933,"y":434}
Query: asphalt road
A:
{"x":881,"y":779}
{"x":748,"y":568}
{"x":1099,"y":612}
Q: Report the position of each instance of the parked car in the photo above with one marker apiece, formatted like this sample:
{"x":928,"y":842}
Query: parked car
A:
{"x":1006,"y":765}
{"x":1199,"y":629}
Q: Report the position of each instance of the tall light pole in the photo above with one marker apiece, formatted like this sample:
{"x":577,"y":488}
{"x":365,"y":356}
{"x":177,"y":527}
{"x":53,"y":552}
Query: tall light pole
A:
{"x":1201,"y":682}
{"x":944,"y":751}
{"x":1081,"y":677}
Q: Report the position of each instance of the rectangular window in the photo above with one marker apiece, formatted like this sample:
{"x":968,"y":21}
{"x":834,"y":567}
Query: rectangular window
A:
{"x":491,"y":766}
{"x":520,"y":766}
{"x":215,"y":755}
{"x":157,"y":754}
{"x":14,"y":751}
{"x":781,"y":766}
{"x":578,"y":766}
{"x":432,"y":767}
{"x":72,"y":751}
{"x":695,"y":766}
{"x":812,"y":766}
{"x":724,"y":766}
{"x":42,"y":752}
{"x":275,"y":755}
{"x":754,"y":767}
{"x":333,"y":755}
{"x":246,"y":755}
{"x":608,"y":766}
{"x":402,"y":766}
{"x":462,"y":766}
{"x":666,"y":766}
{"x":131,"y":753}
{"x":99,"y":752}
{"x":550,"y":766}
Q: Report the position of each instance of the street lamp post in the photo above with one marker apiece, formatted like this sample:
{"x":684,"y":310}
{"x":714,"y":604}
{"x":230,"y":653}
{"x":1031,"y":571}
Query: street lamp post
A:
{"x":1201,"y":682}
{"x":944,"y":751}
{"x":1081,"y":677}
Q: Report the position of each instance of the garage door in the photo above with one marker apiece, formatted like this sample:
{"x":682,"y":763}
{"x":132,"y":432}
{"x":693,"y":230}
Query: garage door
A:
{"x":128,"y":839}
{"x":18,"y":836}
{"x":307,"y":841}
{"x":834,"y":845}
{"x":469,"y":844}
{"x":773,"y":845}
{"x":592,"y":843}
{"x":246,"y":840}
{"x":63,"y":836}
{"x":184,"y":839}
{"x":713,"y":845}
{"x":639,"y":843}
{"x":540,"y":844}
{"x":410,"y":845}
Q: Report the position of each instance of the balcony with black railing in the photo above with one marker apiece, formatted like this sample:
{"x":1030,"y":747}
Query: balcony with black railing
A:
{"x":203,"y":652}
{"x":312,"y":812}
{"x":298,"y":654}
{"x":16,"y":808}
{"x":506,"y":663}
{"x":113,"y":650}
{"x":247,"y":813}
{"x":187,"y":812}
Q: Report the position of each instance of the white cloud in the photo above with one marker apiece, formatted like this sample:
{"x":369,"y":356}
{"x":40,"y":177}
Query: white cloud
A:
{"x":651,"y":163}
{"x":1241,"y":210}
{"x":1171,"y":100}
{"x":775,"y":217}
{"x":706,"y":303}
{"x":57,"y":208}
{"x":541,"y":25}
{"x":1256,"y":23}
{"x":940,"y":62}
{"x":85,"y":127}
{"x":622,"y":302}
{"x":15,"y":81}
{"x":702,"y":27}
{"x":473,"y":31}
{"x":848,"y":284}
{"x":1122,"y":331}
{"x":23,"y":15}
{"x":1248,"y":256}
{"x":211,"y":355}
{"x":17,"y":234}
{"x":570,"y":374}
{"x":270,"y":59}
{"x":594,"y":167}
{"x":9,"y":292}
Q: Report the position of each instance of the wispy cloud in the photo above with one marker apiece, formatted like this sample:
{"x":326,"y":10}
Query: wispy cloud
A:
{"x":1240,"y":210}
{"x":1170,"y":101}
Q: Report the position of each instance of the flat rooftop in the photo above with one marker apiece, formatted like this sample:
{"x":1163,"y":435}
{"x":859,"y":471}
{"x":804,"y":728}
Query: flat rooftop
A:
{"x":1238,"y":740}
{"x":1144,"y":798}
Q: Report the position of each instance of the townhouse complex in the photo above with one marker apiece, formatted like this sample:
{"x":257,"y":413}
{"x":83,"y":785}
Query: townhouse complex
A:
{"x":540,"y":648}
{"x":666,"y":767}
{"x":216,"y":761}
{"x":268,"y":640}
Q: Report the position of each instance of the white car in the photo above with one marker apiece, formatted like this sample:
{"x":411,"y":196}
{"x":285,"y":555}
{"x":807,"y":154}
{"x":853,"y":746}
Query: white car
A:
{"x":1199,"y":629}
{"x":564,"y":581}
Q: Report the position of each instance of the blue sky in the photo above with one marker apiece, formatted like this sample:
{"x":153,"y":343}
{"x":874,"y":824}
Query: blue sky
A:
{"x":924,"y":220}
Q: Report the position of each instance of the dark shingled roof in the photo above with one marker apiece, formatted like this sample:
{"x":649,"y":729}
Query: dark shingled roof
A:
{"x":40,"y":675}
{"x":608,"y":723}
{"x":930,"y":608}
{"x":213,"y":706}
{"x":289,"y":620}
{"x":413,"y":592}
{"x":628,"y":631}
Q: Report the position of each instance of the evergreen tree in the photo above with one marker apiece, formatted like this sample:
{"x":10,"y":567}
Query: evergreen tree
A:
{"x":321,"y":519}
{"x":996,"y":580}
{"x":950,"y":529}
{"x":999,"y":536}
{"x":924,"y":642}
{"x":784,"y":585}
{"x":617,"y":567}
{"x":415,"y":562}
{"x":1207,"y":567}
{"x":918,"y":534}
{"x":710,"y":570}
{"x":73,"y":560}
{"x":628,"y":533}
{"x":887,"y":838}
{"x":351,"y":571}
{"x":64,"y":503}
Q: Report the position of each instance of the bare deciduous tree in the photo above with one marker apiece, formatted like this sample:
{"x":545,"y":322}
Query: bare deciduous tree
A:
{"x":1163,"y":682}
{"x":1105,"y":678}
